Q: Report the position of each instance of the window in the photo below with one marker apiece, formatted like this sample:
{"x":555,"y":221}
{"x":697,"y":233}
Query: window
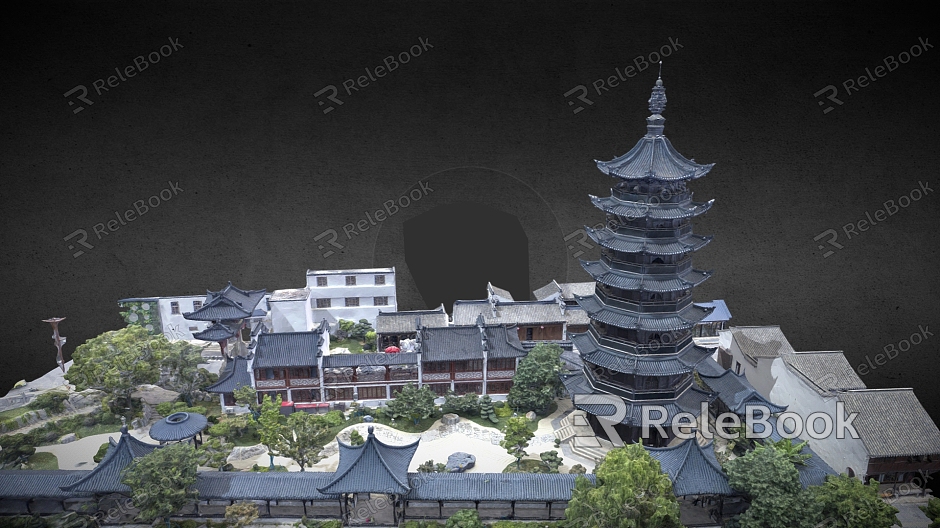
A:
{"x":321,"y":281}
{"x":381,"y":301}
{"x":379,"y":280}
{"x":351,"y":280}
{"x":175,"y":308}
{"x":528,"y":333}
{"x":352,"y":301}
{"x":372,"y":393}
{"x":737,"y":368}
{"x":501,"y":364}
{"x":197,"y":305}
{"x":193,"y":328}
{"x":323,"y":303}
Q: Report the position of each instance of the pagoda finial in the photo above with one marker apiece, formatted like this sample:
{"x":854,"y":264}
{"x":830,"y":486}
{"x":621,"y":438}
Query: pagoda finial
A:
{"x":658,"y":98}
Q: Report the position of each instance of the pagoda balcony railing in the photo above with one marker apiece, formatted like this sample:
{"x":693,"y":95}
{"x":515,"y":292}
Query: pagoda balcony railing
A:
{"x":500,"y":374}
{"x":649,"y":232}
{"x":435,"y":376}
{"x":670,"y":196}
{"x":455,"y":376}
{"x":632,"y":347}
{"x":271,"y":384}
{"x":304,"y":382}
{"x":639,"y":394}
{"x":643,"y":306}
{"x":647,"y":269}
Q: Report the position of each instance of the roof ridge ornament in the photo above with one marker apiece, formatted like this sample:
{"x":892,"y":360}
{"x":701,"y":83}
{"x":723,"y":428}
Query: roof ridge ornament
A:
{"x":658,"y":97}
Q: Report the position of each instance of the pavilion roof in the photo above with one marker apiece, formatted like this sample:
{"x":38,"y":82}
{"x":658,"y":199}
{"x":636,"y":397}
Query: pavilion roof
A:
{"x":373,"y":467}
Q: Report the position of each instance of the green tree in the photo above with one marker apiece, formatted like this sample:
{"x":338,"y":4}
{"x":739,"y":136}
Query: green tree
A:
{"x":486,"y":409}
{"x":551,"y":461}
{"x":248,"y":397}
{"x":181,"y":372}
{"x":412,"y":402}
{"x":270,"y":427}
{"x":768,"y":478}
{"x":631,"y":492}
{"x":241,"y":514}
{"x":15,"y":448}
{"x":162,"y":481}
{"x":359,"y":330}
{"x":577,"y":469}
{"x":303,"y":438}
{"x":847,"y":502}
{"x":117,"y":362}
{"x":517,"y":438}
{"x":464,"y":519}
{"x":536,"y":383}
{"x":427,"y":467}
{"x":793,"y":451}
{"x":214,"y":453}
{"x":355,"y":438}
{"x":932,"y":511}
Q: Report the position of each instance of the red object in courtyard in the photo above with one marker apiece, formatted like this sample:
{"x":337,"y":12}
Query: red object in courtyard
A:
{"x":392,"y":349}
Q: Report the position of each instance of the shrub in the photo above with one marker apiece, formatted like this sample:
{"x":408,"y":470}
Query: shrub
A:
{"x":464,"y":519}
{"x":577,"y":469}
{"x":15,"y":447}
{"x":241,"y":514}
{"x":503,"y":412}
{"x":102,"y":451}
{"x":355,"y":438}
{"x":304,"y":522}
{"x":52,"y":401}
{"x":466,"y":405}
{"x":333,"y":418}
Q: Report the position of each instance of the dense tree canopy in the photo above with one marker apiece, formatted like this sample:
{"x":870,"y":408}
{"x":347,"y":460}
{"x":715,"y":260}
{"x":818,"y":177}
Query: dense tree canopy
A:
{"x":536,"y":383}
{"x":303,"y":438}
{"x":631,"y":492}
{"x":517,"y":438}
{"x":412,"y":402}
{"x":162,"y":481}
{"x":848,"y":503}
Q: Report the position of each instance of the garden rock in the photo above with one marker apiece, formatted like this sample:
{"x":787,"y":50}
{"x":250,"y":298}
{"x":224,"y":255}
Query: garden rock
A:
{"x":531,"y":416}
{"x":153,"y":395}
{"x":67,"y":439}
{"x":460,"y":462}
{"x":450,"y":419}
{"x":246,"y":453}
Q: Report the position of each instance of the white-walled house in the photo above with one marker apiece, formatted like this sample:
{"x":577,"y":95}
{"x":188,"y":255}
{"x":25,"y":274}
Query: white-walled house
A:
{"x":290,"y":310}
{"x":896,"y":437}
{"x":351,"y":294}
{"x":750,"y":350}
{"x":165,"y":314}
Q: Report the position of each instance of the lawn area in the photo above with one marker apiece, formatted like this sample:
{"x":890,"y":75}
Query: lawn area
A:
{"x":43,"y":461}
{"x":85,"y":430}
{"x":527,"y":466}
{"x":501,"y":425}
{"x":10,"y":414}
{"x":355,"y":347}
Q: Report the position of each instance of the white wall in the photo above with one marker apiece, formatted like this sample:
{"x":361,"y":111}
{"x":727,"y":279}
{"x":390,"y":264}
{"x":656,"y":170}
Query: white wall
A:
{"x":800,"y":398}
{"x":759,"y":376}
{"x":290,"y":316}
{"x":175,"y":327}
{"x":337,"y":291}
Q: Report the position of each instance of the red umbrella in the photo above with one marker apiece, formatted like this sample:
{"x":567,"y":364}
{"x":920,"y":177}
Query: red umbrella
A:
{"x":392,"y":349}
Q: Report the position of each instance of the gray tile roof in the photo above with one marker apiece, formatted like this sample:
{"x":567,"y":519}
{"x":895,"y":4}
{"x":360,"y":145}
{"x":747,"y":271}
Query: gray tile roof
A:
{"x":234,"y":375}
{"x":737,"y":393}
{"x":405,"y":322}
{"x":106,"y":477}
{"x":652,"y":246}
{"x":892,"y":422}
{"x":548,"y":290}
{"x":216,"y":332}
{"x":693,"y":468}
{"x":38,"y":484}
{"x":824,"y":371}
{"x":667,"y":211}
{"x":245,"y":485}
{"x":666,"y":321}
{"x":369,"y":360}
{"x":178,"y":426}
{"x":493,"y":290}
{"x":536,"y":487}
{"x":719,"y":312}
{"x":689,"y":401}
{"x":758,"y":342}
{"x":502,"y":341}
{"x":709,"y":367}
{"x":517,"y":312}
{"x":466,"y":342}
{"x":625,"y":280}
{"x":230,"y":303}
{"x":641,"y":364}
{"x":288,"y":349}
{"x":567,"y":290}
{"x":373,"y":467}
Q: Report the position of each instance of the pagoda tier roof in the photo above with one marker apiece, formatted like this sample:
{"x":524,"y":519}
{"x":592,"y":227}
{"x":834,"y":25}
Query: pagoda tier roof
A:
{"x":737,"y":393}
{"x":665,"y":321}
{"x":689,"y":401}
{"x":681,"y":362}
{"x":234,"y":375}
{"x":228,"y":304}
{"x":373,"y":467}
{"x":652,"y":246}
{"x":693,"y":468}
{"x":661,"y":211}
{"x":216,"y":332}
{"x":106,"y":477}
{"x":627,"y":280}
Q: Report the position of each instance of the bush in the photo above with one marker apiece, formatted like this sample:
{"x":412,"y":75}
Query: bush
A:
{"x":503,"y":412}
{"x":421,"y":524}
{"x":333,"y":418}
{"x":464,"y":519}
{"x":577,"y":469}
{"x":16,"y":447}
{"x":52,"y":401}
{"x":102,"y":451}
{"x":466,"y":405}
{"x":304,"y":522}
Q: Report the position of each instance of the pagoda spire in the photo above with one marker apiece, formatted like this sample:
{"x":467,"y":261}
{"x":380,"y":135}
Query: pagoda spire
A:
{"x":657,"y":104}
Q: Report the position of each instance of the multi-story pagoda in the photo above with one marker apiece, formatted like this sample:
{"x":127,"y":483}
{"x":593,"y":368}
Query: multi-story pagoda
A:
{"x":639,"y":344}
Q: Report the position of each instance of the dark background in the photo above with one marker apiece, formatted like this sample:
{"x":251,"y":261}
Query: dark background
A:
{"x":480,"y":118}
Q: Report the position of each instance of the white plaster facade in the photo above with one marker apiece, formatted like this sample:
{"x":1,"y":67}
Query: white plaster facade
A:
{"x":337,"y":290}
{"x":799,"y":397}
{"x":290,"y":310}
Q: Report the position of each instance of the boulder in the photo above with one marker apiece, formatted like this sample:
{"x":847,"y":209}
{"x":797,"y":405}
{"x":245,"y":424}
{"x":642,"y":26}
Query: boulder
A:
{"x":247,"y":453}
{"x":531,"y":416}
{"x":460,"y":462}
{"x":67,"y":439}
{"x":154,"y":395}
{"x":450,"y":419}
